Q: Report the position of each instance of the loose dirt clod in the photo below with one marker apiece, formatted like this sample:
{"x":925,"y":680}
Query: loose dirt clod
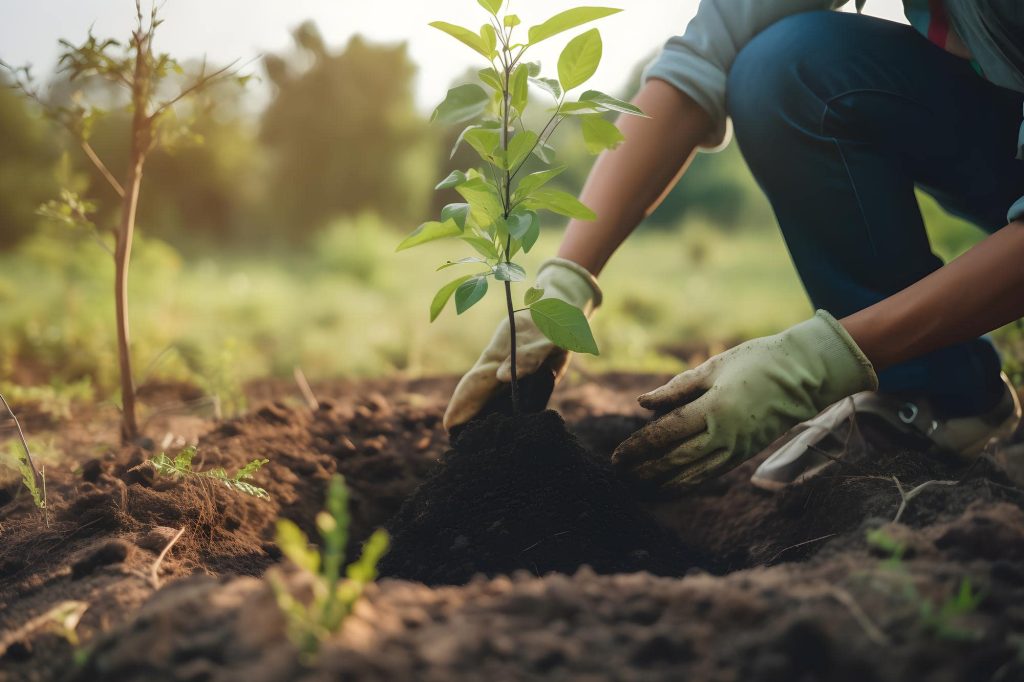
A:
{"x":521,"y":493}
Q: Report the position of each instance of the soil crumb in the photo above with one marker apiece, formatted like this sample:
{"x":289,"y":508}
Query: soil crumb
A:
{"x":522,"y":493}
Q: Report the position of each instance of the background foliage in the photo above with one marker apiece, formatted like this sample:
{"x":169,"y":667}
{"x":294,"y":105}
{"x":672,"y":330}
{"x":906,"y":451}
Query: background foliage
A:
{"x":267,"y":242}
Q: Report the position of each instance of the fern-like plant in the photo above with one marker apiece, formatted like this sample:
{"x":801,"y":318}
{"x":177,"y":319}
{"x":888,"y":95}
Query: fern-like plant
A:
{"x":181,"y":468}
{"x":334,"y":595}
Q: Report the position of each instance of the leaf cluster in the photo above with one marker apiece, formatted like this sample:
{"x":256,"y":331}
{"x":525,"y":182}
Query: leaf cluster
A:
{"x":181,"y":467}
{"x":499,"y":218}
{"x":334,"y":594}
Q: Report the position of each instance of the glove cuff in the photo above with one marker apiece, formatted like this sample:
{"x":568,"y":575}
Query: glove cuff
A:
{"x":847,"y":362}
{"x":572,"y":282}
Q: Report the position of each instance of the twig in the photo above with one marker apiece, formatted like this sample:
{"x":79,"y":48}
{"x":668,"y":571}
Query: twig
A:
{"x":799,"y":544}
{"x":870,"y":629}
{"x":304,"y":389}
{"x":154,"y":578}
{"x":40,"y":480}
{"x":906,"y":497}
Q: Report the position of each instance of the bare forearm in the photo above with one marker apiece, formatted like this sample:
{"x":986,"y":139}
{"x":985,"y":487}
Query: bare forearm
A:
{"x":976,"y":293}
{"x":626,"y":184}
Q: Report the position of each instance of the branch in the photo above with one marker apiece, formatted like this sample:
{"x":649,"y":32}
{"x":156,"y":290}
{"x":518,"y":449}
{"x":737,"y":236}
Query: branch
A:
{"x":53,"y":113}
{"x":906,"y":497}
{"x":154,"y":576}
{"x":200,"y":83}
{"x":100,"y":166}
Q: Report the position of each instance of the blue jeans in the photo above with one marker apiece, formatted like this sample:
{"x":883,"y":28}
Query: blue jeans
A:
{"x":840,"y":116}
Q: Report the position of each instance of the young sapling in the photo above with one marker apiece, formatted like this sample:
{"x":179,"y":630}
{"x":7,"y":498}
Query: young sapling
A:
{"x":144,"y":75}
{"x":499,"y":217}
{"x":334,"y":592}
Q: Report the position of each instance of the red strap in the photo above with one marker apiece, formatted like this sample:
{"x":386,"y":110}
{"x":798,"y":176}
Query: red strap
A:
{"x":938,"y":27}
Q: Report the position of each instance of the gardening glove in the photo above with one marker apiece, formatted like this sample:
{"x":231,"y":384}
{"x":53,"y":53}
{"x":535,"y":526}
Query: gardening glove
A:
{"x":559,"y":278}
{"x":729,"y":408}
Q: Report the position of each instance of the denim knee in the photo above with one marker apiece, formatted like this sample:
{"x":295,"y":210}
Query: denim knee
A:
{"x":771,"y":81}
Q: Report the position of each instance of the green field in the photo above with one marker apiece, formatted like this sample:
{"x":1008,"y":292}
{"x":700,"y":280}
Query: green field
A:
{"x":348,"y":306}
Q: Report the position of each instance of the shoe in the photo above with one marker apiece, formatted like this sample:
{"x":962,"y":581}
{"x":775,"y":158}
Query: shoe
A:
{"x":814,"y":444}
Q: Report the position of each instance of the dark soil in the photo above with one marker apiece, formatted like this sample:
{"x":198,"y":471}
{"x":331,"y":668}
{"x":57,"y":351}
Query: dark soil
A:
{"x":793,"y":591}
{"x":521,"y":493}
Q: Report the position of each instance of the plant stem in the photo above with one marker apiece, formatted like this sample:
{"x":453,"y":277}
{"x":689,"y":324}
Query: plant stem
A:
{"x":141,"y":138}
{"x":508,"y":242}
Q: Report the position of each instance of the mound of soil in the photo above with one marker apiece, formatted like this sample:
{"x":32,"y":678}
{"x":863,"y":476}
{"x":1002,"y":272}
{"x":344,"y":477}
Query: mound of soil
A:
{"x":795,"y":591}
{"x":522,"y":493}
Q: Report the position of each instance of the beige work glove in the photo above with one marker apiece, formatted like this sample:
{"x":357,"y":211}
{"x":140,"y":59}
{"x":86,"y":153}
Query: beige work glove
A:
{"x":729,"y":408}
{"x":559,"y":278}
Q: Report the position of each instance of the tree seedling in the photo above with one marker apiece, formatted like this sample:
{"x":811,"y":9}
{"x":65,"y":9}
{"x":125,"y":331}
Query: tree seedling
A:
{"x":499,"y":217}
{"x":143,"y":74}
{"x":181,"y":468}
{"x":334,"y":595}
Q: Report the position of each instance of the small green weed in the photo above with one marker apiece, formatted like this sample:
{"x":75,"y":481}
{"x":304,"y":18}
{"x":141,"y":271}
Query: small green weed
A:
{"x":34,"y":479}
{"x":939,"y":619}
{"x":334,"y":596}
{"x":181,"y":467}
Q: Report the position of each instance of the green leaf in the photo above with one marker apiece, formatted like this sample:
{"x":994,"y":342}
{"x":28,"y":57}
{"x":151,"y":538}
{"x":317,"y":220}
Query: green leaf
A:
{"x":294,"y":544}
{"x":532,"y":295}
{"x":445,"y":293}
{"x":559,"y":202}
{"x":519,"y":223}
{"x":580,"y":59}
{"x":549,"y":85}
{"x":454,"y":178}
{"x":184,"y":459}
{"x":534,"y":181}
{"x":564,"y":325}
{"x":462,"y":261}
{"x":364,"y":570}
{"x":464,"y":36}
{"x":519,"y":148}
{"x":462,"y":103}
{"x":469,"y":293}
{"x":600,"y":134}
{"x":544,"y":152}
{"x":485,"y":141}
{"x":491,"y":78}
{"x":532,"y":235}
{"x":457,"y":212}
{"x":533,"y":68}
{"x":519,"y":88}
{"x":509,"y":272}
{"x":485,"y":205}
{"x":612,"y":103}
{"x":492,"y":6}
{"x":582,"y":108}
{"x":250,"y":469}
{"x":484,"y":247}
{"x":428,"y":232}
{"x":462,"y":136}
{"x":490,"y":40}
{"x":568,"y":19}
{"x":511,"y":21}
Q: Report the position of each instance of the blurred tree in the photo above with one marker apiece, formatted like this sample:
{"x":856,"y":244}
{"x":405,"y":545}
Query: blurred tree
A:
{"x":343,"y":134}
{"x":28,"y":155}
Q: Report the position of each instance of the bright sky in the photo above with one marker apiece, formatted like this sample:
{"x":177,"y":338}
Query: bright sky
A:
{"x":228,"y":29}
